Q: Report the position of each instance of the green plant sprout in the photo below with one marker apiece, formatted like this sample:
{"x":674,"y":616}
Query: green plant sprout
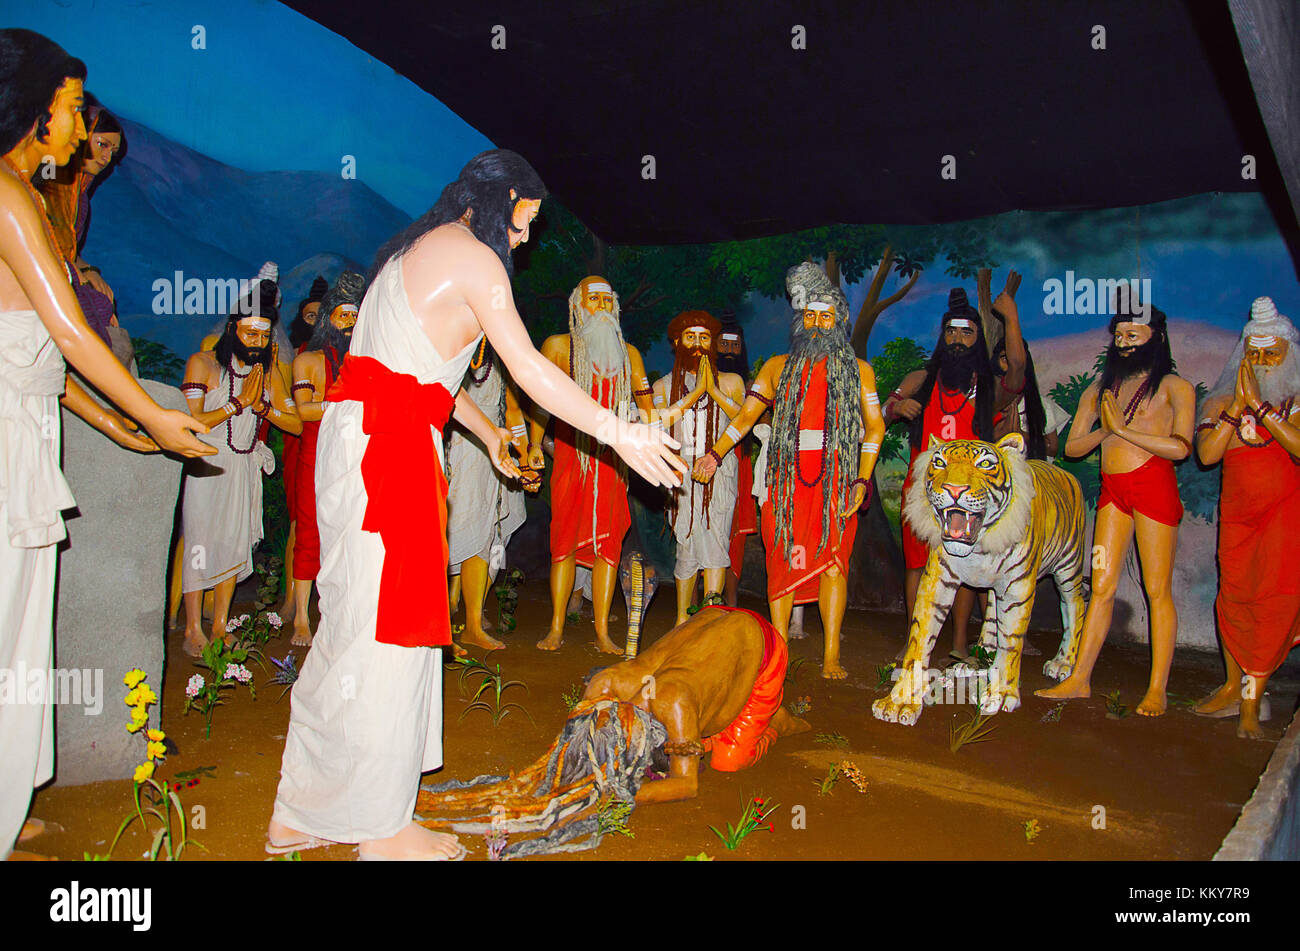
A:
{"x":793,"y":669}
{"x":1114,"y":709}
{"x":1032,"y":830}
{"x":835,"y":738}
{"x":826,"y":785}
{"x":757,"y":812}
{"x":885,"y":675}
{"x":975,"y":730}
{"x":572,"y":697}
{"x":495,"y":686}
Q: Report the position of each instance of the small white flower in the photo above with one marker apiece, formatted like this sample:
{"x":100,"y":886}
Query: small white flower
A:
{"x":274,"y":620}
{"x":232,"y":625}
{"x":194,"y":685}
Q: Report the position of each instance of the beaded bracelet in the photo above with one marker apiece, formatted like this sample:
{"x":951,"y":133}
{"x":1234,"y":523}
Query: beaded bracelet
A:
{"x":239,"y":407}
{"x":760,"y":397}
{"x":301,"y":385}
{"x":1234,"y":420}
{"x":713,"y":454}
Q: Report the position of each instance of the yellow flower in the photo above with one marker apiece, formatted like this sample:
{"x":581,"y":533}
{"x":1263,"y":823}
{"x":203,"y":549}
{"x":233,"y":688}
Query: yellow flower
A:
{"x":147,"y":696}
{"x":134,"y":677}
{"x":156,"y":750}
{"x":132,"y":698}
{"x":157,"y":736}
{"x":143,"y":772}
{"x":138,"y":719}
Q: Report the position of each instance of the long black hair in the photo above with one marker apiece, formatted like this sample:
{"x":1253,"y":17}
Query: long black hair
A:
{"x":1035,"y":417}
{"x":32,"y":68}
{"x":484,"y":186}
{"x":983,"y":389}
{"x":259,"y":302}
{"x":1159,"y":357}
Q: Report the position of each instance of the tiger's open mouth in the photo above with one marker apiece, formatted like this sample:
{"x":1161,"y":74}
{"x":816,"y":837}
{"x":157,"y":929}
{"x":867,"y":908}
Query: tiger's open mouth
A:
{"x":961,"y":527}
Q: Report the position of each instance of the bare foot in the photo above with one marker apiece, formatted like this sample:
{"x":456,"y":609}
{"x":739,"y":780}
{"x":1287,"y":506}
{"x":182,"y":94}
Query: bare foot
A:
{"x":1153,"y":704}
{"x":288,"y":610}
{"x":458,"y":650}
{"x":1248,"y":727}
{"x":413,"y":844}
{"x":281,"y":839}
{"x":1067,"y":689}
{"x":606,"y":646}
{"x":31,"y":829}
{"x":194,"y":644}
{"x":833,"y":671}
{"x":481,"y":640}
{"x":551,"y":642}
{"x":301,"y":635}
{"x":1226,"y":698}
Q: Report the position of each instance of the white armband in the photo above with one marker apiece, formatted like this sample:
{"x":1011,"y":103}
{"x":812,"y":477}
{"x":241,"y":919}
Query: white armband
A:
{"x":872,"y":398}
{"x":519,"y":432}
{"x":733,"y":432}
{"x":870,"y":446}
{"x":658,"y":400}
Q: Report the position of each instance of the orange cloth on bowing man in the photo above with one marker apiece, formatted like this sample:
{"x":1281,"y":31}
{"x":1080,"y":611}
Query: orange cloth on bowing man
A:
{"x":406,"y":493}
{"x":745,"y":739}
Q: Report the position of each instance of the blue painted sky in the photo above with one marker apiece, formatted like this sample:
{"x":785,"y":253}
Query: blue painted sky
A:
{"x":263,"y":62}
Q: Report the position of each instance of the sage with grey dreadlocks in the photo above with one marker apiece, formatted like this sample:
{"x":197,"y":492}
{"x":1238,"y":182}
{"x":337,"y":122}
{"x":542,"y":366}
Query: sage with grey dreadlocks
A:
{"x":843,"y":427}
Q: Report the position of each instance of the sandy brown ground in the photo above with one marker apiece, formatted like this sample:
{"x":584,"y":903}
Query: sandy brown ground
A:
{"x":1171,"y":787}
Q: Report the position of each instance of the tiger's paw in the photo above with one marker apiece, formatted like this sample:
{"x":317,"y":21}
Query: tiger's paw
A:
{"x":1000,"y":700}
{"x":893,"y":711}
{"x":1058,"y":668}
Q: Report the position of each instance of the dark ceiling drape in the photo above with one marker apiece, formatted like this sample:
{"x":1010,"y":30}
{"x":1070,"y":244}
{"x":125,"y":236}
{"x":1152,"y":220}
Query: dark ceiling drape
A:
{"x":1269,"y":34}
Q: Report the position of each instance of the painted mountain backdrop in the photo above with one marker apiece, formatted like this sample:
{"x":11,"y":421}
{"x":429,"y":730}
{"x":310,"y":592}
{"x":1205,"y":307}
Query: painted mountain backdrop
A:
{"x":167,"y":208}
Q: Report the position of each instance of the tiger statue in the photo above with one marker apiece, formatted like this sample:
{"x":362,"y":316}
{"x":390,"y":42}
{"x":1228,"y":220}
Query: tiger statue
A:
{"x":996,"y":520}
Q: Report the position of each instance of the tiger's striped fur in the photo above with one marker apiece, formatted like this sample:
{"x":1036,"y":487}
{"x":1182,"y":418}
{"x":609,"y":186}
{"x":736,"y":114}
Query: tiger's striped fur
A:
{"x":995,"y":520}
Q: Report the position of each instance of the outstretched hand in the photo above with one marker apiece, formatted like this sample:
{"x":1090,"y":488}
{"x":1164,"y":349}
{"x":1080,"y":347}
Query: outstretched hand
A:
{"x":500,"y":454}
{"x":174,"y":431}
{"x":648,"y":450}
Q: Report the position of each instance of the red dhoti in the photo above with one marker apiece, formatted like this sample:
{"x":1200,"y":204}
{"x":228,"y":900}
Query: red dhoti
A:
{"x":808,"y":558}
{"x":1258,"y":606}
{"x":745,"y":740}
{"x":574,"y":527}
{"x":745,"y":521}
{"x":306,"y":545}
{"x":1151,"y":490}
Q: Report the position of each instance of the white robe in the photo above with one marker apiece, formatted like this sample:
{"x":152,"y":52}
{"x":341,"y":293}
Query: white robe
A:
{"x":366,"y":717}
{"x":33,"y":493}
{"x":703,"y":540}
{"x":483,"y":510}
{"x":221,"y":515}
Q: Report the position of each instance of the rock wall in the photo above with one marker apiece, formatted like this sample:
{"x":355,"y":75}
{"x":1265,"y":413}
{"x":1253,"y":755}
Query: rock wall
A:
{"x":111,"y":591}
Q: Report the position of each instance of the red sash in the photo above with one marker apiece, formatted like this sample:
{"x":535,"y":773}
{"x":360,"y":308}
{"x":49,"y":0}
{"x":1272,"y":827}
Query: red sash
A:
{"x":399,"y":469}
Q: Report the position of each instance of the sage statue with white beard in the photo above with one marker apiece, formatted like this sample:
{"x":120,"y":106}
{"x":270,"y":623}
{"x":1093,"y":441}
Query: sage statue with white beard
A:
{"x":589,"y":508}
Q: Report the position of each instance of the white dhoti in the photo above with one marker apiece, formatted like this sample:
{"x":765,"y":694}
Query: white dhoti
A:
{"x":366,"y":717}
{"x":703,"y":532}
{"x":221,"y":515}
{"x":33,"y":493}
{"x":483,"y":511}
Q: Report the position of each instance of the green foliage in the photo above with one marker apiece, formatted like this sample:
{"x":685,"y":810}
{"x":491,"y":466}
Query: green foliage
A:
{"x":572,"y":697}
{"x":275,"y":505}
{"x":896,"y":360}
{"x":885,"y":675}
{"x":493,"y":685}
{"x":611,"y":817}
{"x":976,"y":729}
{"x":156,"y":361}
{"x":757,"y":812}
{"x":793,"y":669}
{"x":835,"y":739}
{"x":826,"y":784}
{"x":1114,"y":709}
